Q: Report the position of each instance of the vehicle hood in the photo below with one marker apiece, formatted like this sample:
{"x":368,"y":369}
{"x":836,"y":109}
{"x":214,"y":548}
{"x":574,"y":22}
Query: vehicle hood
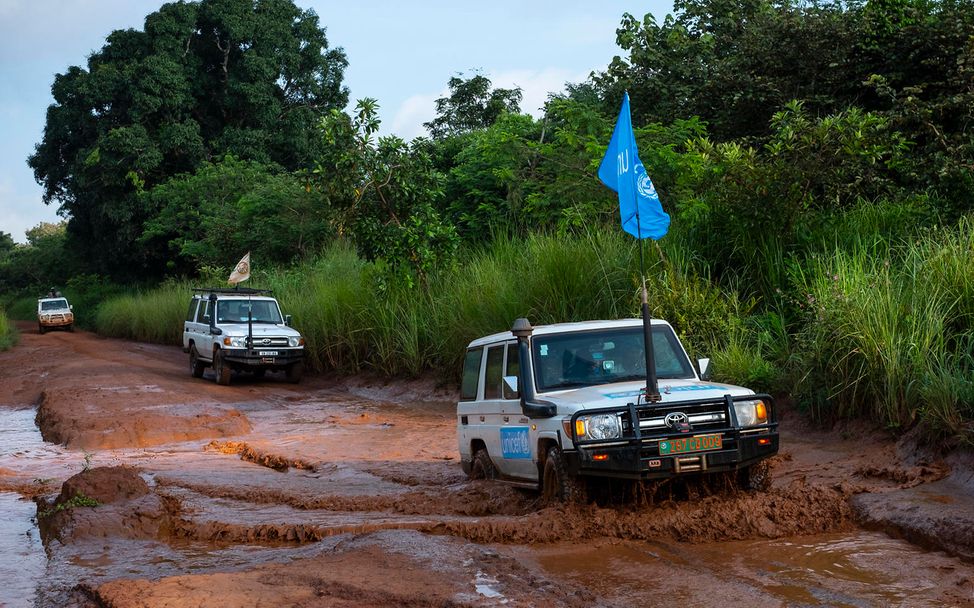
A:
{"x":621,"y":393}
{"x":260,"y":330}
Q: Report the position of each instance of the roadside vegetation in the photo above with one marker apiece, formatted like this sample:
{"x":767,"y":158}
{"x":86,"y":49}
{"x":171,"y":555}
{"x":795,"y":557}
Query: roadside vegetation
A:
{"x":8,"y":333}
{"x":821,"y":198}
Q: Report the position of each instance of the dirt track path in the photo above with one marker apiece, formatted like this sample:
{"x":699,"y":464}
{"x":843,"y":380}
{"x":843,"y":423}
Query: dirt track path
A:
{"x":348,"y":494}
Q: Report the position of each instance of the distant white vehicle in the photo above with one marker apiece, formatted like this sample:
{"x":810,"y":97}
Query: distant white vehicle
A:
{"x":54,"y":313}
{"x":550,"y":407}
{"x":243,"y":330}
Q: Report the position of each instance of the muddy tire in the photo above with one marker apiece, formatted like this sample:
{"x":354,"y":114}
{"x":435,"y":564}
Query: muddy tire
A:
{"x":294,"y":372}
{"x":220,"y":368}
{"x":557,"y":484}
{"x":755,"y":478}
{"x":196,"y":366}
{"x":40,"y":329}
{"x":482,"y":466}
{"x":259,"y":373}
{"x":71,"y":328}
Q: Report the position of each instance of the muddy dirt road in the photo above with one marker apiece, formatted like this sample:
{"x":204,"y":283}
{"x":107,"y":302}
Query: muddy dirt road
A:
{"x":349,"y":493}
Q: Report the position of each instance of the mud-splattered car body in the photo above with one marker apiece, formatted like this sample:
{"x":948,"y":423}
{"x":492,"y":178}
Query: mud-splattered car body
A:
{"x":581,"y":392}
{"x":54,"y":313}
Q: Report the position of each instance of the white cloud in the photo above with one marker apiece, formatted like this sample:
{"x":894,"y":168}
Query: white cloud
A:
{"x":413,"y":112}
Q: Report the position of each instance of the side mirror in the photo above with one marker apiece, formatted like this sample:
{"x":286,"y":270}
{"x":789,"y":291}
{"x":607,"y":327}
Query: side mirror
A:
{"x":510,"y":383}
{"x":70,"y":306}
{"x":216,"y":331}
{"x":704,"y":366}
{"x":287,"y":320}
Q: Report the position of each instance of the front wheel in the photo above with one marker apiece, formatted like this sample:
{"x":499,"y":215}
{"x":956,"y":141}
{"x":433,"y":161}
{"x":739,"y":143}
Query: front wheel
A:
{"x":220,"y":368}
{"x":756,"y":477}
{"x":294,"y":372}
{"x":557,"y":484}
{"x":196,"y":366}
{"x":40,"y":329}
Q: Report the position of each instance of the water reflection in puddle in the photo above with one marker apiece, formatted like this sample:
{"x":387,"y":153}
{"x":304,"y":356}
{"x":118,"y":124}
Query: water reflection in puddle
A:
{"x":23,"y":559}
{"x":856,"y":569}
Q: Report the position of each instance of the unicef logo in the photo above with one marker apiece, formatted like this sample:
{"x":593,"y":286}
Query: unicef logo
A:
{"x":643,"y":183}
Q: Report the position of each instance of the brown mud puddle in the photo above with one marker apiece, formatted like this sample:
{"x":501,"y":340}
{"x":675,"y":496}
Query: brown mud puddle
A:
{"x":349,"y":494}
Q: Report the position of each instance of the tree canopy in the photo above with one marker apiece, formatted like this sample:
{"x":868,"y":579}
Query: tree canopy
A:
{"x":201,"y":80}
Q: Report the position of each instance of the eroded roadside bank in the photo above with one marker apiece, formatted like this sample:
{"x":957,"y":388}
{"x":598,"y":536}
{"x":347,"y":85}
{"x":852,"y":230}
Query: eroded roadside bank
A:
{"x":336,"y":494}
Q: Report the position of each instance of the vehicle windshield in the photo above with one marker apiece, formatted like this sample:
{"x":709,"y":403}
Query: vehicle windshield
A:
{"x":236,"y":311}
{"x":588,"y":358}
{"x":54,"y":304}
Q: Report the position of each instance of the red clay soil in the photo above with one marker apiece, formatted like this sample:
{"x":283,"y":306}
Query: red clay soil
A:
{"x":348,"y":493}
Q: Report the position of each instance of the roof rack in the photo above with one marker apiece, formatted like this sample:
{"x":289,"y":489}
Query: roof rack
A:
{"x":232,"y":290}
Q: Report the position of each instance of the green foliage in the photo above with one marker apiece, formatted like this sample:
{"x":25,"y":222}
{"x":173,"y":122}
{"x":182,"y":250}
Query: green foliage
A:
{"x":76,"y":501}
{"x":8,"y":333}
{"x":384,"y":193}
{"x":224,"y":209}
{"x":155,"y":315}
{"x":472,"y":105}
{"x":202,"y":80}
{"x":888,"y":333}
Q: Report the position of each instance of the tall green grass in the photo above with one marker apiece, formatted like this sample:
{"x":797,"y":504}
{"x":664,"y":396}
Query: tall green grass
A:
{"x":155,"y":315}
{"x":888,"y":333}
{"x":8,"y":333}
{"x":353,"y":317}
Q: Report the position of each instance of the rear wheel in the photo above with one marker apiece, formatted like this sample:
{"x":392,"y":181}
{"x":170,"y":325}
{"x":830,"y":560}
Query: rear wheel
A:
{"x":482,"y":466}
{"x":557,"y":484}
{"x":196,"y":366}
{"x":294,"y":372}
{"x":220,"y":368}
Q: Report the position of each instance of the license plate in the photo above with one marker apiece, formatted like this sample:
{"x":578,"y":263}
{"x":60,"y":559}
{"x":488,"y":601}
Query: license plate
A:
{"x":700,"y":443}
{"x":267,"y":353}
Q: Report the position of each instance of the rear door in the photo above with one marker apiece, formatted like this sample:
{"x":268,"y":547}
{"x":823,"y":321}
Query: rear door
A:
{"x":516,"y":435}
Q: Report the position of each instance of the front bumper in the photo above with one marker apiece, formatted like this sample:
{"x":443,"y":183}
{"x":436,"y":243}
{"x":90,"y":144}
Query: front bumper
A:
{"x":637,"y":455}
{"x":57,"y":320}
{"x":242,"y":358}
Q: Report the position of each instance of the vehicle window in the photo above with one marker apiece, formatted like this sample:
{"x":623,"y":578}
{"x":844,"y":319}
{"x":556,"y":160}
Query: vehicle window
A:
{"x":203,"y":314}
{"x":54,"y":305}
{"x":191,"y":313}
{"x":492,"y":376}
{"x":238,"y":311}
{"x":512,"y":369}
{"x":599,"y":357}
{"x":471,"y":374}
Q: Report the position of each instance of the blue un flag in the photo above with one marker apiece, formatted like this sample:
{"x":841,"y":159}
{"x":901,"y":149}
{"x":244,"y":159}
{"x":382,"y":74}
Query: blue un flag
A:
{"x":639,"y":207}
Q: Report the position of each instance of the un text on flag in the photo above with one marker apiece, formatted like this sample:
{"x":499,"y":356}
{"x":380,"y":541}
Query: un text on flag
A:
{"x":640,"y":209}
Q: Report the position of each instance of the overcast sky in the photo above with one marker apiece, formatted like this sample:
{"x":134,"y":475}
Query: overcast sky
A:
{"x":401,"y":53}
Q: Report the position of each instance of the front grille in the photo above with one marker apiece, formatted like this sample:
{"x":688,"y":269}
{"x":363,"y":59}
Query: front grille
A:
{"x":703,"y":417}
{"x":269,"y":342}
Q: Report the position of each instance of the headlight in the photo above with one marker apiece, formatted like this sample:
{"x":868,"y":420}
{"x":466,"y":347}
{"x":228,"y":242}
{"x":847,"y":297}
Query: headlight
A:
{"x":235,"y":342}
{"x":295,"y":341}
{"x":599,"y":426}
{"x":751,"y":413}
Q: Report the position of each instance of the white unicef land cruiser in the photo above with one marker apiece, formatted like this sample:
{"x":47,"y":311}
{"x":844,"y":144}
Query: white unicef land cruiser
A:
{"x":243,"y":330}
{"x":582,"y":413}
